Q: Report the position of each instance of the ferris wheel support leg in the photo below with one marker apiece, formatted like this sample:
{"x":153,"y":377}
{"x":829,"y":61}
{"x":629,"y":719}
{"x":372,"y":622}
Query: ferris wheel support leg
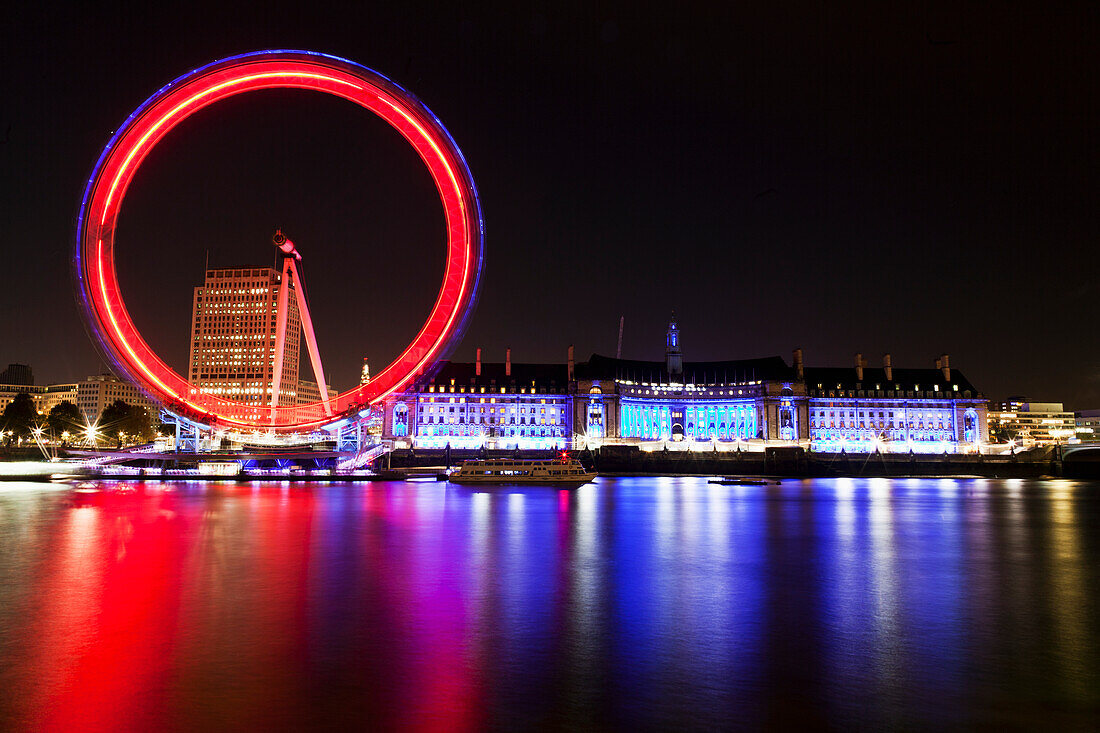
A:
{"x":311,"y":339}
{"x":349,"y":438}
{"x":187,"y":435}
{"x":280,"y":336}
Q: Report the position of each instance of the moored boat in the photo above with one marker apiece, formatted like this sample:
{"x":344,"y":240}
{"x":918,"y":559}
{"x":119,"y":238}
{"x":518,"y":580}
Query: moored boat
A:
{"x":547,"y":472}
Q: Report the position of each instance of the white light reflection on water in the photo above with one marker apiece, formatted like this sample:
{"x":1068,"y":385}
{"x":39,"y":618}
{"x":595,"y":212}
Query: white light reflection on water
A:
{"x":888,"y":654}
{"x":718,"y":521}
{"x":690,"y":522}
{"x":666,"y":514}
{"x":517,"y":523}
{"x":584,"y":643}
{"x":846,"y":593}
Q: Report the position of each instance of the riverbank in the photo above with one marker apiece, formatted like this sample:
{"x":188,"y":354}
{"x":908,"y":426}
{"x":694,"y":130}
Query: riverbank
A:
{"x":630,"y":461}
{"x":788,"y":462}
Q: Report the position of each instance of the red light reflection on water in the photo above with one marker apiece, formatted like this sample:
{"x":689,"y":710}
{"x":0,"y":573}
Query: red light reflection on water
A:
{"x":108,"y":619}
{"x":193,"y":609}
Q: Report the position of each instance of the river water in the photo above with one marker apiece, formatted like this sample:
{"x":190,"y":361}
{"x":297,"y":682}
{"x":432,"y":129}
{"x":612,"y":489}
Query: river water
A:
{"x":630,"y":603}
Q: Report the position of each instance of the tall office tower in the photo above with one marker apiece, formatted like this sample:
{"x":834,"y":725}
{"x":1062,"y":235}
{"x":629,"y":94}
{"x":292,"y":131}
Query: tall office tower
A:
{"x":17,"y":374}
{"x":233,"y":337}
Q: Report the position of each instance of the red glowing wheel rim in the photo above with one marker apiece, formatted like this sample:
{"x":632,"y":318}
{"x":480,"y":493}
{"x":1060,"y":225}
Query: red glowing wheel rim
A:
{"x":97,"y":283}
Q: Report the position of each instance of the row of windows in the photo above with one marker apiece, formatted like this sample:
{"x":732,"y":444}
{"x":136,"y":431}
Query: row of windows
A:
{"x":481,"y":410}
{"x":430,"y":420}
{"x":866,"y":418}
{"x":493,"y":389}
{"x":493,"y":400}
{"x":851,"y":434}
{"x":669,"y":392}
{"x":893,"y":394}
{"x":471,"y":431}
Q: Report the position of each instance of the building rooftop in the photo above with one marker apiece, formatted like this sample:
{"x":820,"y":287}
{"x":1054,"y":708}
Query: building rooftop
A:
{"x":903,"y":379}
{"x":465,"y":373}
{"x":17,"y":374}
{"x":736,"y":371}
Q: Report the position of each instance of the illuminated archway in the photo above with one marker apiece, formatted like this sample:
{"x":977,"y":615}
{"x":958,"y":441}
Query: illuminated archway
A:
{"x":97,"y":283}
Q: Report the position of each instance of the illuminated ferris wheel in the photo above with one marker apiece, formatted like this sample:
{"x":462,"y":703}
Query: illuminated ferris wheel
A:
{"x":97,"y":283}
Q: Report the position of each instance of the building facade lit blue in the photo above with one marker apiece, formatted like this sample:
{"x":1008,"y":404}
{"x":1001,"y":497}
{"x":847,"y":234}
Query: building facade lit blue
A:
{"x":885,"y":409}
{"x":485,"y":405}
{"x":743,"y":405}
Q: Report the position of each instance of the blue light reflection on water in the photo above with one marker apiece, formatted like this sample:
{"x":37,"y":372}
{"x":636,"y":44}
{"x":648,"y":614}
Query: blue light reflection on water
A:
{"x":634,"y":602}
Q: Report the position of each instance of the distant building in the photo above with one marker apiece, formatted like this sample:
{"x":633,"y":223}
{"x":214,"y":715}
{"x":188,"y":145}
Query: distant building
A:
{"x":233,"y":328}
{"x":309,"y":392}
{"x":95,"y":393}
{"x":55,"y":394}
{"x":90,"y":396}
{"x":8,"y":392}
{"x":1032,"y":423}
{"x":17,"y":374}
{"x":1087,"y":425}
{"x":45,"y":397}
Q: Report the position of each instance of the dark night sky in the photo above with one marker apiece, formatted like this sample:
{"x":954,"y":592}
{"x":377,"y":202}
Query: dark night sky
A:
{"x":906,"y":180}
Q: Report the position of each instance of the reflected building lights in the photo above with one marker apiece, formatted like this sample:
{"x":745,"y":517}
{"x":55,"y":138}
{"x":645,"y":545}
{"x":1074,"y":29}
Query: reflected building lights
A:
{"x":888,"y":652}
{"x":718,"y":511}
{"x":1068,"y":600}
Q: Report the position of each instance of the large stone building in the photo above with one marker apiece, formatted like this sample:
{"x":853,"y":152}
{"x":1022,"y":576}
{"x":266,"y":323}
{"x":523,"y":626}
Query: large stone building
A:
{"x":495,"y":405}
{"x":920,"y":410}
{"x":674,"y":404}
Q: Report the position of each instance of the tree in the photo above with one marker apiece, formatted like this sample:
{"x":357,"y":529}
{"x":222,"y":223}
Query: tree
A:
{"x":131,"y":420}
{"x":139,"y":424}
{"x":20,"y":416}
{"x":113,"y":420}
{"x":65,"y":417}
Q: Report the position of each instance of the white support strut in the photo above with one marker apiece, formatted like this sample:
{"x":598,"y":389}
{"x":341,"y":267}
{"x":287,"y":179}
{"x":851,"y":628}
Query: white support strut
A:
{"x":289,"y":271}
{"x":280,"y":337}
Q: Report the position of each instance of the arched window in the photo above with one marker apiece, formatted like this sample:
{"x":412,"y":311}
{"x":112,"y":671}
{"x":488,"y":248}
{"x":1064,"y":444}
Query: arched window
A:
{"x":970,"y":426}
{"x":400,"y":420}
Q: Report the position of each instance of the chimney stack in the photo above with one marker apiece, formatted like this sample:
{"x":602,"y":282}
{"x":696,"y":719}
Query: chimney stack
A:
{"x":798,"y":363}
{"x":859,"y":367}
{"x":946,"y":367}
{"x":508,"y":363}
{"x":570,"y":364}
{"x":477,"y":364}
{"x":888,"y":367}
